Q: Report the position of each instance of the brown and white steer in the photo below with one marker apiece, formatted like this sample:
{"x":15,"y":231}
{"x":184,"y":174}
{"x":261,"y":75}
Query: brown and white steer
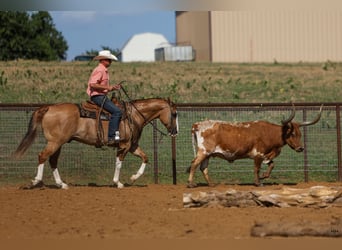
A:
{"x":261,"y":141}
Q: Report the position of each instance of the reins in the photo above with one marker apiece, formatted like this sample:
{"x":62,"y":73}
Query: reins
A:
{"x":145,"y":120}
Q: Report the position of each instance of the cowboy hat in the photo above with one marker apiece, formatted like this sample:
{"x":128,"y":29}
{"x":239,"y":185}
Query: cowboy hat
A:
{"x":105,"y":54}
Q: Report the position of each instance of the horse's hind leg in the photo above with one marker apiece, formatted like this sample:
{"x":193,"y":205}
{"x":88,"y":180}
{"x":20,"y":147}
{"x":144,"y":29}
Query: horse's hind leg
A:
{"x":138,"y":152}
{"x":39,"y":177}
{"x":53,"y":150}
{"x":53,"y":163}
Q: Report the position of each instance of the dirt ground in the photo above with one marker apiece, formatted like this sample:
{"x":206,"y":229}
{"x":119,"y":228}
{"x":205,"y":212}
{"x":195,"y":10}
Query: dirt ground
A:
{"x":136,"y":212}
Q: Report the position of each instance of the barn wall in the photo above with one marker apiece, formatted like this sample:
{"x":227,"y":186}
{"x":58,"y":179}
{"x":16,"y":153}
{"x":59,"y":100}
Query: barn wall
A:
{"x":192,"y":28}
{"x":262,"y":36}
{"x":267,"y":36}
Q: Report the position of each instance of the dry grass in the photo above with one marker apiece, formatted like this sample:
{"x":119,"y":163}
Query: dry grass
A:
{"x":41,"y":82}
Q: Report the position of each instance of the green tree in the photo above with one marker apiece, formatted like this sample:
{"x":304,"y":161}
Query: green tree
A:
{"x":30,"y":36}
{"x":93,"y":52}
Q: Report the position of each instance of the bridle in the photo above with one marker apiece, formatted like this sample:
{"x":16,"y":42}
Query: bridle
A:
{"x":142,"y":115}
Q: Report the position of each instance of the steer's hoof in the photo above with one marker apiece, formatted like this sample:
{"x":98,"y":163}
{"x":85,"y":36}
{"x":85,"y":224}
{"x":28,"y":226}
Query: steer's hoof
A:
{"x":191,"y":185}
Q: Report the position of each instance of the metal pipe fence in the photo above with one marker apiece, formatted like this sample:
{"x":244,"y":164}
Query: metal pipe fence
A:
{"x":170,"y":157}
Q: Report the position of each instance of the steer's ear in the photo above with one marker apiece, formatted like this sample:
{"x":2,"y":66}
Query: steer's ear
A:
{"x":287,"y":129}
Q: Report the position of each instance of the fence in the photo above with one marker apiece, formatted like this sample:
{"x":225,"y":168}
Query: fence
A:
{"x":169,"y":158}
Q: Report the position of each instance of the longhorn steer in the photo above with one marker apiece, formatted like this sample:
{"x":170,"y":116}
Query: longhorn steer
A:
{"x":261,"y":141}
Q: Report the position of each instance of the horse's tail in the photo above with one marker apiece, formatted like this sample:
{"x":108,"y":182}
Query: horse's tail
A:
{"x":26,"y":142}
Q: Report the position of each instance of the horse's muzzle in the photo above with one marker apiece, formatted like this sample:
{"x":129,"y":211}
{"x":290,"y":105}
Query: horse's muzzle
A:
{"x":173,"y":132}
{"x":299,"y":149}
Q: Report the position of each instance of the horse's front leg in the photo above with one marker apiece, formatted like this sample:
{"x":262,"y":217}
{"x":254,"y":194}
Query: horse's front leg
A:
{"x":139,"y":173}
{"x":58,"y":179}
{"x":138,"y":152}
{"x":118,"y":165}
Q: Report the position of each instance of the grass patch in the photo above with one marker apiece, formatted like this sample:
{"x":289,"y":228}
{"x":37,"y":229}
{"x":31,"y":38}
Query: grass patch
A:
{"x":184,"y":82}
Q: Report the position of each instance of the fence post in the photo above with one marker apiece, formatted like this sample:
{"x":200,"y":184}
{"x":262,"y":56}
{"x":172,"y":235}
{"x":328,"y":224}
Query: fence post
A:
{"x":338,"y":130}
{"x":306,"y":170}
{"x":174,"y":171}
{"x":155,"y":152}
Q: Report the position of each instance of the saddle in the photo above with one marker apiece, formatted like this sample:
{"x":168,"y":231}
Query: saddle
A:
{"x":89,"y":109}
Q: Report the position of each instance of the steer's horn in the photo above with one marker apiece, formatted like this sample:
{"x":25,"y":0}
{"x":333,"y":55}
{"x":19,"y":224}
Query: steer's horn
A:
{"x":314,"y":121}
{"x":284,"y":122}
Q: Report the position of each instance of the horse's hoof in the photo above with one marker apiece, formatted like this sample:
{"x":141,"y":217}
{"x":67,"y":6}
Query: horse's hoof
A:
{"x":120,"y":185}
{"x":133,"y":178}
{"x":33,"y":184}
{"x":64,"y":186}
{"x":36,"y":184}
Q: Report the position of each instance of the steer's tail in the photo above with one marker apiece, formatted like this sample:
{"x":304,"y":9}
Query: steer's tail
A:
{"x":194,"y":141}
{"x":194,"y":144}
{"x":26,"y":142}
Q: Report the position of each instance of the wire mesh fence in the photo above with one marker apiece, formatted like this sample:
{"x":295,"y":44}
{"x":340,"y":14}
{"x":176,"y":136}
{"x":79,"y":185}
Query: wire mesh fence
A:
{"x":82,"y":164}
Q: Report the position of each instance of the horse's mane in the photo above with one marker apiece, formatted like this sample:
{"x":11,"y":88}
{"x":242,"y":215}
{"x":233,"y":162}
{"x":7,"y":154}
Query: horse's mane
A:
{"x":168,"y":100}
{"x":148,"y":99}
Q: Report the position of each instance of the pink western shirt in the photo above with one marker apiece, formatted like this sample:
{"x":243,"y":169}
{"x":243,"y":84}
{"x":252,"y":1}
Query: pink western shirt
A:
{"x":99,"y":75}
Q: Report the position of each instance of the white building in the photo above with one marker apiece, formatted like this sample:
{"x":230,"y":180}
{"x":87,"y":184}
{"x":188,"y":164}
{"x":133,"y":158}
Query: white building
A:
{"x":140,"y":47}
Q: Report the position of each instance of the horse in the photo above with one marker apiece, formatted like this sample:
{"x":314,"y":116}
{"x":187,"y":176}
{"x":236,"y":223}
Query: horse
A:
{"x":62,"y":123}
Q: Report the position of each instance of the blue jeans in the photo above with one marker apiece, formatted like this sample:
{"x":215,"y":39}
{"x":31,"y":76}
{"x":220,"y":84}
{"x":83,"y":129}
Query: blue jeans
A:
{"x":112,"y":109}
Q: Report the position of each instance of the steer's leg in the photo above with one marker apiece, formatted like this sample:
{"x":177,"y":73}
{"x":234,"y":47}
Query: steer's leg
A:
{"x":257,"y":165}
{"x":205,"y":172}
{"x":194,"y":164}
{"x":268,"y":171}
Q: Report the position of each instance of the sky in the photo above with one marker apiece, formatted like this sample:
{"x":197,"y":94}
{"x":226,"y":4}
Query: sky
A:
{"x":90,"y":30}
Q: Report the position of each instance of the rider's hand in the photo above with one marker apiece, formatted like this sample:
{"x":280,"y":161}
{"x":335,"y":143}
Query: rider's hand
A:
{"x":116,"y":87}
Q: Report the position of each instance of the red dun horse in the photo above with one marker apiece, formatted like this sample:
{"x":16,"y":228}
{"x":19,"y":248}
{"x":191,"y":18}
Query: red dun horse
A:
{"x":61,"y":123}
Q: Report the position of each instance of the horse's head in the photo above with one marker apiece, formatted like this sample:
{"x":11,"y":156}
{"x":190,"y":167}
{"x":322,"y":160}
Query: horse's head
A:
{"x":169,"y":118}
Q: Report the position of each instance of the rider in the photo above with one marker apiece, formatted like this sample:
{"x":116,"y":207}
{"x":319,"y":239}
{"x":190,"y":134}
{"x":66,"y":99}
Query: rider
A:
{"x":98,"y":87}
